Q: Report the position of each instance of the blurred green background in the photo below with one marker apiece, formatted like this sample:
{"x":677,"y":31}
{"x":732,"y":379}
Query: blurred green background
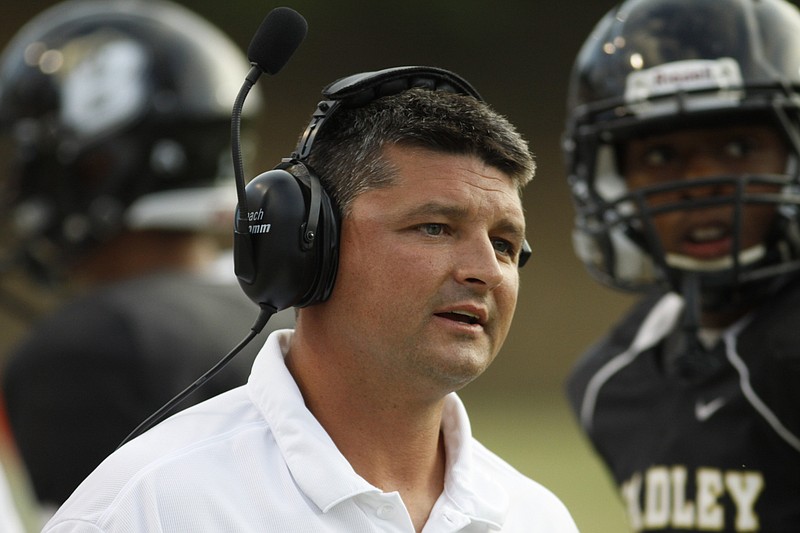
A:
{"x":518,"y":53}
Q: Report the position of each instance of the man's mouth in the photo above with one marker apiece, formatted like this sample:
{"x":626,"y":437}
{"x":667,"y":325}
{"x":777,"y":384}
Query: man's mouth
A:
{"x":461,"y":316}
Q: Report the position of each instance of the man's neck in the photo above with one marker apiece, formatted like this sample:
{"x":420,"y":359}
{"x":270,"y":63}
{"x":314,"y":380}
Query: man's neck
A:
{"x":393,"y":444}
{"x":412,"y":465}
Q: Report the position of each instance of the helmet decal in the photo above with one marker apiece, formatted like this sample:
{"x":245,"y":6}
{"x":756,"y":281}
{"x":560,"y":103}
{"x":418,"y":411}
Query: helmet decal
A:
{"x":718,"y":82}
{"x":103,"y":83}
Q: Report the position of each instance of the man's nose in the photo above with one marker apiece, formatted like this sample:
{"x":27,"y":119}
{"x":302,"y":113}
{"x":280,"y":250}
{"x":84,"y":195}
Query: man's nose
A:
{"x":478,"y":265}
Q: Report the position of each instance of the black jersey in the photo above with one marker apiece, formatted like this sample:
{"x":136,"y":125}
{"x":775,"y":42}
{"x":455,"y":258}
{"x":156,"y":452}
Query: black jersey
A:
{"x":698,"y":439}
{"x":87,"y":375}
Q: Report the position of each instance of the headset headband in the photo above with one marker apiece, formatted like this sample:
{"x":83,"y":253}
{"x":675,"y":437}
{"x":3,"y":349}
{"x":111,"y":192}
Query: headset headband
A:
{"x":360,"y":89}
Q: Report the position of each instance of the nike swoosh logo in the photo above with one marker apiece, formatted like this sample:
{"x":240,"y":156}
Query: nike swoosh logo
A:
{"x":704,"y":410}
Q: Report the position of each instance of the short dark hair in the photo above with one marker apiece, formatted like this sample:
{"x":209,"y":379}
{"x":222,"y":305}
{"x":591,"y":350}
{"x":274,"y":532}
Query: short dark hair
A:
{"x":348,"y":152}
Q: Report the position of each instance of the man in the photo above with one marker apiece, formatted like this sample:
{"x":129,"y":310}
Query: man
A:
{"x":118,"y":117}
{"x":350,"y":422}
{"x":682,"y":144}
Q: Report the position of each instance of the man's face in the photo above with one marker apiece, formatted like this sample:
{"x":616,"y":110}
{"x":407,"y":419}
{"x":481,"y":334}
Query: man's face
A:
{"x":706,"y":234}
{"x":428,"y":277}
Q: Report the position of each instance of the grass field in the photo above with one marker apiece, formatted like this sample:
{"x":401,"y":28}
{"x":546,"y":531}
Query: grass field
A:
{"x":538,"y":436}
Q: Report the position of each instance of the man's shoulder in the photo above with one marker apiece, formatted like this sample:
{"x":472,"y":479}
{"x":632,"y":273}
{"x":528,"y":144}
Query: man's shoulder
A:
{"x":531,"y":506}
{"x":199,"y":449}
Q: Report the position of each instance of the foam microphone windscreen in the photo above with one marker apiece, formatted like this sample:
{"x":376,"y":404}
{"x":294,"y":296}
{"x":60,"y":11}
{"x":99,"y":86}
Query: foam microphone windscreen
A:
{"x":279,"y":35}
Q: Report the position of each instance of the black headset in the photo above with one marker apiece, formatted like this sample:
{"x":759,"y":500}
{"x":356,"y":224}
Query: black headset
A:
{"x":288,"y":256}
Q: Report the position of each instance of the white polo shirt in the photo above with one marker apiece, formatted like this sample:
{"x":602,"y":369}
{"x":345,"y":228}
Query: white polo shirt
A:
{"x":255,"y":459}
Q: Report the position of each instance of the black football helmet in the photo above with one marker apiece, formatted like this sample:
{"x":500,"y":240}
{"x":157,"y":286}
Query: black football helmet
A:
{"x":662,"y":65}
{"x":116,"y":114}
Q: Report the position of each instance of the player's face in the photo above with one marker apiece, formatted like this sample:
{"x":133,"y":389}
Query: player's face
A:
{"x":428,"y":276}
{"x":707,"y":233}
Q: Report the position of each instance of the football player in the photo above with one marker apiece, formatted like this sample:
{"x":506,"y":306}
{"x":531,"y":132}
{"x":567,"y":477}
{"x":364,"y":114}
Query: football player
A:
{"x":682,"y":145}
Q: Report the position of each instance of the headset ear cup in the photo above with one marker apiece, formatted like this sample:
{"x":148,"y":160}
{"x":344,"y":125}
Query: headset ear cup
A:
{"x":273,"y":267}
{"x":274,"y":263}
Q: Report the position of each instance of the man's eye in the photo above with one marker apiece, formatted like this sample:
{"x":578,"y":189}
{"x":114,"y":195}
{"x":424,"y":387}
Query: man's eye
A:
{"x":432,"y":229}
{"x":503,"y":246}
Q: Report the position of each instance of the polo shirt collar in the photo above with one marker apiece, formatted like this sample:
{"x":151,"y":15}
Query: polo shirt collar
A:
{"x":320,"y":470}
{"x":324,"y":474}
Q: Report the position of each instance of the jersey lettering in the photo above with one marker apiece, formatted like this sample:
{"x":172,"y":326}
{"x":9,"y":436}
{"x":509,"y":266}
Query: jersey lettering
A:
{"x":658,"y":498}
